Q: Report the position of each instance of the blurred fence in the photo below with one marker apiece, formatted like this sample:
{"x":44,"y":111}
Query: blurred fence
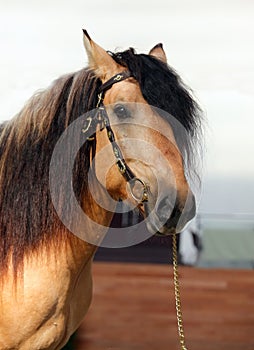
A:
{"x":228,"y":240}
{"x":216,"y":240}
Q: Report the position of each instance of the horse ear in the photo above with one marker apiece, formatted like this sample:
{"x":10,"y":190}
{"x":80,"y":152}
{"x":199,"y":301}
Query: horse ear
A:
{"x":158,"y":52}
{"x":99,"y":60}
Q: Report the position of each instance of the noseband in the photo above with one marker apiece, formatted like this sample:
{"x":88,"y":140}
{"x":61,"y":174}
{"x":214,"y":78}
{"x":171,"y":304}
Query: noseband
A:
{"x":101,"y":118}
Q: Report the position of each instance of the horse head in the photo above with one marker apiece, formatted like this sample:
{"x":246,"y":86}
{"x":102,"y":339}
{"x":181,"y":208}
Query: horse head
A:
{"x":144,"y":135}
{"x":61,"y":158}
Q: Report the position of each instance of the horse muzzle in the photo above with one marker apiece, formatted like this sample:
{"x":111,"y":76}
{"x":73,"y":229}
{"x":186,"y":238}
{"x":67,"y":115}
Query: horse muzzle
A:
{"x":168,"y":219}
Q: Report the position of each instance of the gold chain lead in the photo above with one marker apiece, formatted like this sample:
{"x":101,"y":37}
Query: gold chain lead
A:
{"x":179,"y":315}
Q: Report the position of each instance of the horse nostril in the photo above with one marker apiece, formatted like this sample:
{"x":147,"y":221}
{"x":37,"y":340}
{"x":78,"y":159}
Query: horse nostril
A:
{"x":174,"y":218}
{"x":178,"y":216}
{"x":181,"y":216}
{"x":164,"y":208}
{"x":187,"y":214}
{"x":192,"y":207}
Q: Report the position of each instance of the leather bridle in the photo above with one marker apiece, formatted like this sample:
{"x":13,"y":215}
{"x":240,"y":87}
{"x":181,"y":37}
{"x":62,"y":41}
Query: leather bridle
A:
{"x":101,"y":118}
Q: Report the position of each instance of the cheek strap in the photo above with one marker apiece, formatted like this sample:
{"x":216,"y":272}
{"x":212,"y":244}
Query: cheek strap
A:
{"x":101,"y":118}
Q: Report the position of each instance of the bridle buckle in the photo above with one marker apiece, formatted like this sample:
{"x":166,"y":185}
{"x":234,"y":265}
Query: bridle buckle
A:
{"x":100,"y":99}
{"x":121,"y":166}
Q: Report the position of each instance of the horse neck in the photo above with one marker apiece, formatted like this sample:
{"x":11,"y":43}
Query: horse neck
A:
{"x":97,"y":219}
{"x":98,"y":206}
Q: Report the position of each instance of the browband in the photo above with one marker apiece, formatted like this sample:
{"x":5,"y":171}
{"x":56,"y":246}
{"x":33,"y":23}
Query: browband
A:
{"x":115,"y":79}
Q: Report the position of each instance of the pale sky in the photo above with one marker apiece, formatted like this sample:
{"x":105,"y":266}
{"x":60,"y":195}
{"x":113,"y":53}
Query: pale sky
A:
{"x":209,"y":42}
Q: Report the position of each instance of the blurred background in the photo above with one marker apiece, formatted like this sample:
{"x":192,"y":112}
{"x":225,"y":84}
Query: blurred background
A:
{"x":209,"y":43}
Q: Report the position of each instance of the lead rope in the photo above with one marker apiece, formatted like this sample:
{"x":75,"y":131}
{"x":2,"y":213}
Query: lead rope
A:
{"x":179,"y":314}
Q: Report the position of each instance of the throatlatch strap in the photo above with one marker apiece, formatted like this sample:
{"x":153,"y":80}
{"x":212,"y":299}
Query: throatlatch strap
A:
{"x":120,"y":161}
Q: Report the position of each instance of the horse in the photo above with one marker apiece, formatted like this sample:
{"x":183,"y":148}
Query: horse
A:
{"x":46,"y":276}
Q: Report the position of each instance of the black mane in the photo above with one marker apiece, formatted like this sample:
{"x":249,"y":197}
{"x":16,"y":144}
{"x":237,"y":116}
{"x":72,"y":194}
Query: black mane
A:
{"x":27,"y":216}
{"x":162,"y":87}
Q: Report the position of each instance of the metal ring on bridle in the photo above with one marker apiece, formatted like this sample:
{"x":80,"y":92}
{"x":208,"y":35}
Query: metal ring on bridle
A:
{"x":144,"y":197}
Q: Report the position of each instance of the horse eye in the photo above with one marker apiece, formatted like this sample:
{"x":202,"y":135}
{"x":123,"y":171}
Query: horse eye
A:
{"x":121,"y":111}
